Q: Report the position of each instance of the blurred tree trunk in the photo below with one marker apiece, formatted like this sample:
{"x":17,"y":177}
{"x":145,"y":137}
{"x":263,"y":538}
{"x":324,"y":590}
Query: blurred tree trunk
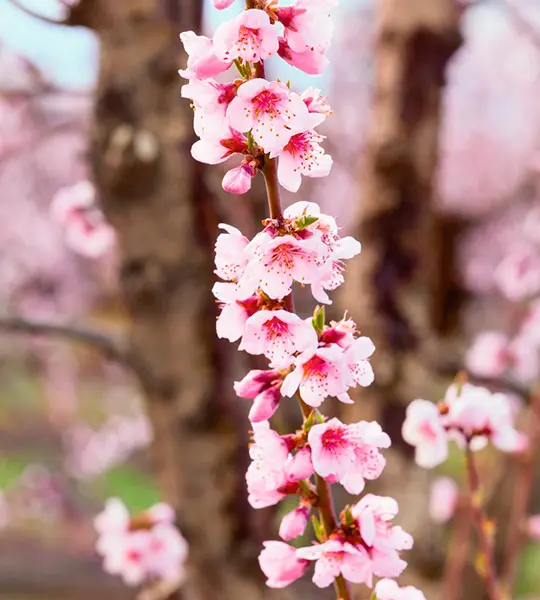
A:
{"x":391,"y":286}
{"x":155,"y":196}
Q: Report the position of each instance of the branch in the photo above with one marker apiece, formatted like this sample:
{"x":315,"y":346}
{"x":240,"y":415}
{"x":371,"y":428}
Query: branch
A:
{"x":42,"y":18}
{"x":104,"y":344}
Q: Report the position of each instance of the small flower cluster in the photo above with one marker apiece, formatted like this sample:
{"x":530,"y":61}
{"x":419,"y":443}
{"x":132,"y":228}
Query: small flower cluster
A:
{"x":252,"y":117}
{"x":469,"y":415}
{"x":86,"y":232}
{"x":141,"y":549}
{"x":272,"y":128}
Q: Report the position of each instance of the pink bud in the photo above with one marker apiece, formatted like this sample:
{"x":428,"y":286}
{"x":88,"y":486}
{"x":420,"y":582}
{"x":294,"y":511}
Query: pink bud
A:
{"x":161,"y":513}
{"x":533,"y":527}
{"x":300,"y":467}
{"x":279,"y":563}
{"x":312,"y":61}
{"x":238,"y":180}
{"x":221,"y":4}
{"x":443,"y":499}
{"x":294,"y":523}
{"x":264,"y":387}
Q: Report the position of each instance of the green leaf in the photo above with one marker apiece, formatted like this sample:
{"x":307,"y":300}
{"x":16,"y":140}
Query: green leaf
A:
{"x":318,"y":528}
{"x":304,"y":221}
{"x":250,"y":142}
{"x":319,"y":319}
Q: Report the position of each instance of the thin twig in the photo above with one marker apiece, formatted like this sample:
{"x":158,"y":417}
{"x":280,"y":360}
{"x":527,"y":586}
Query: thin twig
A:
{"x":522,"y":494}
{"x":100,"y":341}
{"x":487,"y":568}
{"x":42,"y":18}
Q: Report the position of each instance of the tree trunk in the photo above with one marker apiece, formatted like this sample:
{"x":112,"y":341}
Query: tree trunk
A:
{"x":391,"y":285}
{"x":154,"y":195}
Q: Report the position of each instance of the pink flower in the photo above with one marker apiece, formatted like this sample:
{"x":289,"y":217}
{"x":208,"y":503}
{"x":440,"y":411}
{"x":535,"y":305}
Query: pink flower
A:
{"x":533,"y":527}
{"x":356,"y":356}
{"x":319,"y":374}
{"x":348,"y":453}
{"x":316,"y":102}
{"x":218,"y":144}
{"x":167,"y":554}
{"x":300,"y":466}
{"x":161,"y":514}
{"x":277,"y":334}
{"x":202,"y":60}
{"x":280,"y":564}
{"x":302,"y":155}
{"x":424,"y":429}
{"x":113,"y":520}
{"x":477,"y":416}
{"x":307,"y":23}
{"x":312,"y":61}
{"x":235,"y":310}
{"x":294,"y":523}
{"x":488,"y":355}
{"x":266,"y":476}
{"x":518,"y":275}
{"x":280,"y":261}
{"x":221,"y":4}
{"x":238,"y":180}
{"x":231,"y":259}
{"x":443,"y":499}
{"x":270,"y":111}
{"x":210,"y":101}
{"x":250,"y":37}
{"x":386,"y":589}
{"x":85,"y":229}
{"x":265,"y":389}
{"x":127,"y":557}
{"x":336,"y":557}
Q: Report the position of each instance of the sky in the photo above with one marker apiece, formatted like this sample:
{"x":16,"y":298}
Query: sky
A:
{"x":69,"y":55}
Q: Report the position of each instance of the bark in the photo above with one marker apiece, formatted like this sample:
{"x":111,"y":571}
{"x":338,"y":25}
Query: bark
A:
{"x":392,"y":284}
{"x":155,"y":196}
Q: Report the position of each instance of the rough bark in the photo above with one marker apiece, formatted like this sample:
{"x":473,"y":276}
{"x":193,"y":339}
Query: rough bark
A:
{"x":154,"y":194}
{"x":391,"y":285}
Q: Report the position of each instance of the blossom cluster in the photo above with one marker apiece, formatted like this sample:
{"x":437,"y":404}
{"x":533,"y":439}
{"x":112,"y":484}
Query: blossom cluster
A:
{"x":469,"y":415}
{"x":251,"y":117}
{"x":141,"y":549}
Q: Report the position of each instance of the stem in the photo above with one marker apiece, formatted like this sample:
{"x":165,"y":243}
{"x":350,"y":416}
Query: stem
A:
{"x":327,"y":513}
{"x":269,"y":171}
{"x":486,"y":545}
{"x":459,"y":552}
{"x":522,"y":494}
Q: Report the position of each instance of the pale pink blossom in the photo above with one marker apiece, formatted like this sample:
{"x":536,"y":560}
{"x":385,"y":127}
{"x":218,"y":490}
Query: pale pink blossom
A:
{"x":300,"y":466}
{"x":280,"y":261}
{"x":235,"y":310}
{"x":277,"y":334}
{"x":349,"y":453}
{"x":356,"y":356}
{"x":319,"y":374}
{"x":264,"y":387}
{"x":488,"y":355}
{"x":238,"y":180}
{"x":294,"y":523}
{"x":477,"y":416}
{"x":161,"y":514}
{"x":127,"y":557}
{"x":316,"y":102}
{"x":231,"y":259}
{"x":533,"y":527}
{"x":113,"y":520}
{"x":270,"y":111}
{"x":443,"y":499}
{"x":250,"y":37}
{"x":266,"y":475}
{"x":210,"y":101}
{"x":307,"y":23}
{"x":217,"y":144}
{"x":86,"y":232}
{"x":424,"y":429}
{"x":221,"y":4}
{"x":518,"y":275}
{"x":302,"y":155}
{"x":202,"y":60}
{"x":312,"y":61}
{"x":280,"y":564}
{"x":387,"y":589}
{"x":167,"y":553}
{"x":336,"y":557}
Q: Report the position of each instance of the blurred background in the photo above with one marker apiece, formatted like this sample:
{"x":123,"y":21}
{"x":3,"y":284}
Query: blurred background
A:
{"x":109,"y":370}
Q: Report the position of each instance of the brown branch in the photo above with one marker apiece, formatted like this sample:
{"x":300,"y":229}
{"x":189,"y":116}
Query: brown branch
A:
{"x":522,"y":494}
{"x":458,"y":555}
{"x":104,"y":344}
{"x":42,"y":18}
